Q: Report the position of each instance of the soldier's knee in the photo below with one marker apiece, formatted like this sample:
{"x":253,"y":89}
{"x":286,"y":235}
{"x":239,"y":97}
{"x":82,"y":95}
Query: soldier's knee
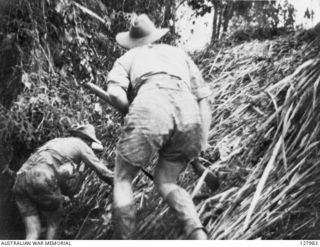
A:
{"x":124,"y":171}
{"x":164,"y":188}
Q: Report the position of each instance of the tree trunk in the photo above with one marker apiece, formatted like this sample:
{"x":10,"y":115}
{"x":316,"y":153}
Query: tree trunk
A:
{"x":219,"y":22}
{"x":227,"y":15}
{"x":170,"y":15}
{"x":214,"y":23}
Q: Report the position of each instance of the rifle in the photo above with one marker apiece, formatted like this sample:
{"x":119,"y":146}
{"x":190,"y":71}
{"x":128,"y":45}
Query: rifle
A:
{"x":98,"y":91}
{"x":211,"y":179}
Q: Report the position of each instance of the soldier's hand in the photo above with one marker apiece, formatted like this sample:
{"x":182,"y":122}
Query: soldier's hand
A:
{"x":108,"y":176}
{"x":211,"y":179}
{"x":108,"y":179}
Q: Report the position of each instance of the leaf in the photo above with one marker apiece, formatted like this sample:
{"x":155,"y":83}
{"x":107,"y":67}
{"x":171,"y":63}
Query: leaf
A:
{"x":25,"y":80}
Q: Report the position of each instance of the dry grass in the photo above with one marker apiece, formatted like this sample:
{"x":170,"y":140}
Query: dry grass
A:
{"x":277,"y":123}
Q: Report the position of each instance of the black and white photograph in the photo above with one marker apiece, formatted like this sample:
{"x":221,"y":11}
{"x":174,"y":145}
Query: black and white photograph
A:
{"x":159,"y":120}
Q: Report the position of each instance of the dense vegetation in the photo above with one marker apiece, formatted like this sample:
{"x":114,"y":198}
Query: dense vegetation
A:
{"x":264,"y":137}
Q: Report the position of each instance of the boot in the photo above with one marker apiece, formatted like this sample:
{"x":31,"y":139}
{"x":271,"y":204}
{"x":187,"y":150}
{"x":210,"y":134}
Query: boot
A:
{"x":124,"y":221}
{"x":180,"y":201}
{"x":199,"y":233}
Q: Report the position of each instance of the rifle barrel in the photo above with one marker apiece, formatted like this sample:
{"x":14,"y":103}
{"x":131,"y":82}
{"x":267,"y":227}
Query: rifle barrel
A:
{"x":98,"y":91}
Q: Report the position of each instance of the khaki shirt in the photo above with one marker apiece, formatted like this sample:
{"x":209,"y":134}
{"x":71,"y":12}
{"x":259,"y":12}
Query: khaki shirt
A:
{"x":154,"y":58}
{"x":63,"y":150}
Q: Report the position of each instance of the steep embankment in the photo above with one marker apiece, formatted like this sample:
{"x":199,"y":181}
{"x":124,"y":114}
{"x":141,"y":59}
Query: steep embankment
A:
{"x":265,"y":129}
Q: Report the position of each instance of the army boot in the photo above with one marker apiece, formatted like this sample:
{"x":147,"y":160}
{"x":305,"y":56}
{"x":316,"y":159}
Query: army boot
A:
{"x":180,"y":201}
{"x":124,"y":222}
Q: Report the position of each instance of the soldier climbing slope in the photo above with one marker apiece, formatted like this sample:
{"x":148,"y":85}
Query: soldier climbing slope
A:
{"x":42,"y":183}
{"x":168,"y":114}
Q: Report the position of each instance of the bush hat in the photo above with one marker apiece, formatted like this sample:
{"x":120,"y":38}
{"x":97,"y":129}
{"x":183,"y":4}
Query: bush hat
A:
{"x":142,"y":32}
{"x":86,"y":130}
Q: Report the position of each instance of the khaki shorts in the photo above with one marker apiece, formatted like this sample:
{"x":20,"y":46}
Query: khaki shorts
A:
{"x":164,"y":121}
{"x":37,"y":188}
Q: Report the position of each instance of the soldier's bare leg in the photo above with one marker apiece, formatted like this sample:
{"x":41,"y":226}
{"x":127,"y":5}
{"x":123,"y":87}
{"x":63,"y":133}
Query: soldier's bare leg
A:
{"x":53,"y":222}
{"x":124,"y":211}
{"x":32,"y":226}
{"x":30,"y":216}
{"x":166,"y":174}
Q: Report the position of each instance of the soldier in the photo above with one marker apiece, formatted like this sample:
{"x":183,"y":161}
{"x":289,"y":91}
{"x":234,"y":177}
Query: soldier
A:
{"x":42,"y":183}
{"x":163,"y":93}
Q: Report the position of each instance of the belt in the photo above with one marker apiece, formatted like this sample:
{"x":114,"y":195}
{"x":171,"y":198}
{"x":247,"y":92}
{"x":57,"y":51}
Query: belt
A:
{"x":160,"y":80}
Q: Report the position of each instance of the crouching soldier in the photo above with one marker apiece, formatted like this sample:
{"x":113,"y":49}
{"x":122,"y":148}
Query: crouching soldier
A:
{"x":41,"y":184}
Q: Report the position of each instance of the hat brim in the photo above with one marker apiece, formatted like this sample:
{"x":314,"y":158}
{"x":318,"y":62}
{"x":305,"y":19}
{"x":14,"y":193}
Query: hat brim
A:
{"x":96,"y":146}
{"x":95,"y":140}
{"x":126,"y":41}
{"x":86,"y":136}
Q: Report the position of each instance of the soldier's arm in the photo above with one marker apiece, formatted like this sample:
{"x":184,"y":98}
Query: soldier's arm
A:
{"x":206,"y":118}
{"x":118,"y":83}
{"x":92,"y":161}
{"x":118,"y":98}
{"x":201,"y":91}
